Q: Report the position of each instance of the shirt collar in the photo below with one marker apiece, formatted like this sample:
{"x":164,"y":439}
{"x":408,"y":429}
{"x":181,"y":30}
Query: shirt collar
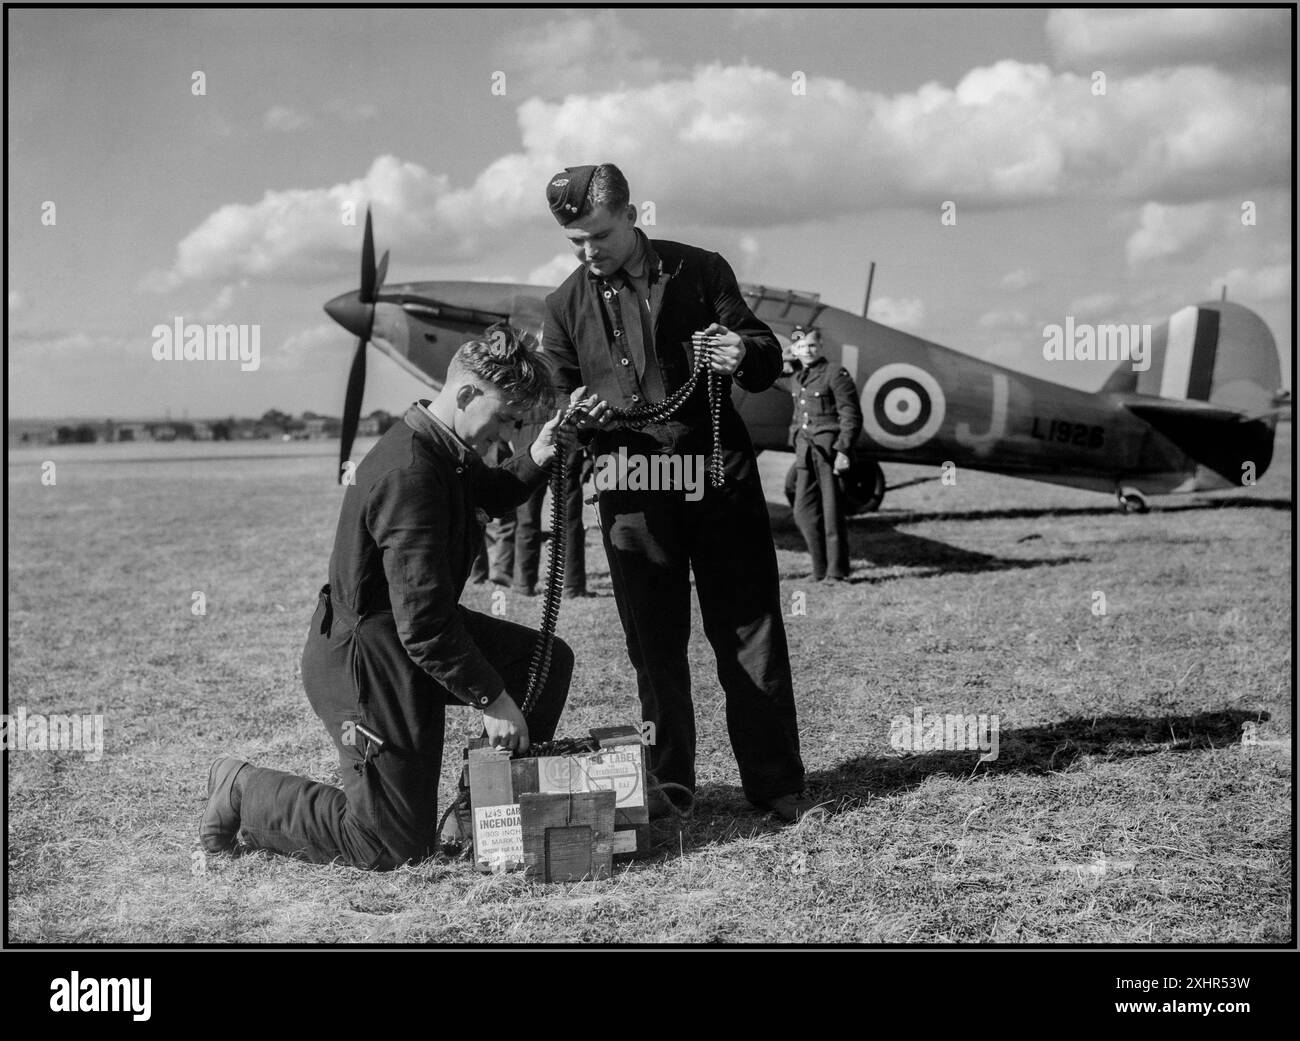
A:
{"x":652,"y":263}
{"x":639,"y":260}
{"x":807,"y":370}
{"x":422,"y":421}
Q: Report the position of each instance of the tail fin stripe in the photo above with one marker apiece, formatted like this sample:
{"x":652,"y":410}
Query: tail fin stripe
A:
{"x":1178,"y":353}
{"x":1200,"y":381}
{"x":1190,"y":350}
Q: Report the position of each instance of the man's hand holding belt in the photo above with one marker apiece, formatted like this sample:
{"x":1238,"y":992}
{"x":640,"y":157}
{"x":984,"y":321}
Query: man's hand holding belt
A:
{"x":726,"y":350}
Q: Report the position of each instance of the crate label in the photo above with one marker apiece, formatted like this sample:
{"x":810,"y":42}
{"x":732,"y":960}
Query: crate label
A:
{"x":498,"y":835}
{"x":616,"y":768}
{"x":625,"y":841}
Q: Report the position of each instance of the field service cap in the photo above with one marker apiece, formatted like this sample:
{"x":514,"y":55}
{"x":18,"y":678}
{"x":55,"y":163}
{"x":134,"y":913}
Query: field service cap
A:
{"x":800,"y":333}
{"x":567,"y":191}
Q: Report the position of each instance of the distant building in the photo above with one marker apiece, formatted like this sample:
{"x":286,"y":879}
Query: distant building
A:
{"x":313,"y":426}
{"x":132,"y":432}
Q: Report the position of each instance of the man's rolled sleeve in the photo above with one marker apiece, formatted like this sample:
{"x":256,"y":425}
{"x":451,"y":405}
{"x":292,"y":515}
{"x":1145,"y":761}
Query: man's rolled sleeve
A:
{"x":762,"y":362}
{"x":407,"y":519}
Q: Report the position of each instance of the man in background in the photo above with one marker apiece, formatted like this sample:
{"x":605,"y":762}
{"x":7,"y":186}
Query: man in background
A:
{"x":824,"y":427}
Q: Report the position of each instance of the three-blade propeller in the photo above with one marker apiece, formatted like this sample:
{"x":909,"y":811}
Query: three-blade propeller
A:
{"x":372,"y":277}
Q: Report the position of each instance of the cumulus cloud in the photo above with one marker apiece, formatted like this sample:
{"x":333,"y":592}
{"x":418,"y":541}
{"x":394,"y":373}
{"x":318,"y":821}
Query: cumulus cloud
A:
{"x":285,"y":119}
{"x":554,"y":271}
{"x":568,"y":55}
{"x":1020,"y":278}
{"x":1166,"y":232}
{"x":323,"y":344}
{"x":1229,"y":37}
{"x":897,"y":312}
{"x":1006,"y":134}
{"x":218,"y":306}
{"x":1272,"y":282}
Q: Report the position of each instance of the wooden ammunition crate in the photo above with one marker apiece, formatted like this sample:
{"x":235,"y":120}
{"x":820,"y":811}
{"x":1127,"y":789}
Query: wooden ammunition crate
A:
{"x":503,"y":817}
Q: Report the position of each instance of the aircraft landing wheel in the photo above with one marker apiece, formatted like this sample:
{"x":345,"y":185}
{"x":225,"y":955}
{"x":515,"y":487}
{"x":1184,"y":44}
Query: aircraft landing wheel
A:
{"x":864,"y":487}
{"x":1131,"y":501}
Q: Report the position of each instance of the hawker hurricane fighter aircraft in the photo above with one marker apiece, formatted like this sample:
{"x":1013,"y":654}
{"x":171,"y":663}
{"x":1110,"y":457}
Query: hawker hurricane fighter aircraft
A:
{"x":1196,"y":412}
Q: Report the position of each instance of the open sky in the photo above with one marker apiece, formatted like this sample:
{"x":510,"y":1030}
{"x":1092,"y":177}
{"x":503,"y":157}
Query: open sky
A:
{"x":226,"y":205}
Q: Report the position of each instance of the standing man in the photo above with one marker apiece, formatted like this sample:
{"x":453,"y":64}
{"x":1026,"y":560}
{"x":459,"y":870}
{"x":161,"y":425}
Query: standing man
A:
{"x":622,"y":324}
{"x":826,"y":423}
{"x":389,"y":646}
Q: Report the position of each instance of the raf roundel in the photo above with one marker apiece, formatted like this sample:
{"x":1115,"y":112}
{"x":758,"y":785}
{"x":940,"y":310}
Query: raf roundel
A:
{"x":902,"y":406}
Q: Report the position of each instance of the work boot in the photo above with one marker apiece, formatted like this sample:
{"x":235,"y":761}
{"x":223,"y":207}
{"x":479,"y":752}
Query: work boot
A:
{"x":220,"y":822}
{"x":790,"y":808}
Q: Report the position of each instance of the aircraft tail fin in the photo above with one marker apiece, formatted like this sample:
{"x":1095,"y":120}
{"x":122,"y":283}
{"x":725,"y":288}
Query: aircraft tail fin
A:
{"x":1122,"y":381}
{"x":1216,"y":352}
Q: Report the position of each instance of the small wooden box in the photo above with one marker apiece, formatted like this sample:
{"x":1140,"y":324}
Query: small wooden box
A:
{"x":568,"y":837}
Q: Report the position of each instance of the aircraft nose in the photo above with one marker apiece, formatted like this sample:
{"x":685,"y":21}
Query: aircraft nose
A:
{"x":352,"y":314}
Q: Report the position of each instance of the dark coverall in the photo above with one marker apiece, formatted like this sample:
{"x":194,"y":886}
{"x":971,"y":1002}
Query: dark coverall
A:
{"x":389,"y":647}
{"x":827,"y":419}
{"x":596,"y":333}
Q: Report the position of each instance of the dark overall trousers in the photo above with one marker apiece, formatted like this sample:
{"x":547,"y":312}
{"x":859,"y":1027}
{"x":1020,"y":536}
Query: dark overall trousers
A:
{"x":655,"y":541}
{"x":386,"y":812}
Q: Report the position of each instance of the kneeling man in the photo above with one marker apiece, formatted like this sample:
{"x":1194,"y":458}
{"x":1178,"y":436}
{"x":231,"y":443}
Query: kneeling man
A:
{"x":389,"y":646}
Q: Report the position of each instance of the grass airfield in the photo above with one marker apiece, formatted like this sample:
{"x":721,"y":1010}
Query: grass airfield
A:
{"x":1124,"y":805}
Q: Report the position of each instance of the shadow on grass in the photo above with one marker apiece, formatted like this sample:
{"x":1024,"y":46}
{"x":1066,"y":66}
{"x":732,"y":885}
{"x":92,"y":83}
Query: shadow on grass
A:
{"x":782,"y":517}
{"x":878,"y":543}
{"x":1035,"y":751}
{"x":1231,"y":502}
{"x":723,"y":813}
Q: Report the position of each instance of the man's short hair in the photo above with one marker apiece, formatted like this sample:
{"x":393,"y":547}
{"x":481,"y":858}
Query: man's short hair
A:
{"x":608,"y":188}
{"x":508,"y":359}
